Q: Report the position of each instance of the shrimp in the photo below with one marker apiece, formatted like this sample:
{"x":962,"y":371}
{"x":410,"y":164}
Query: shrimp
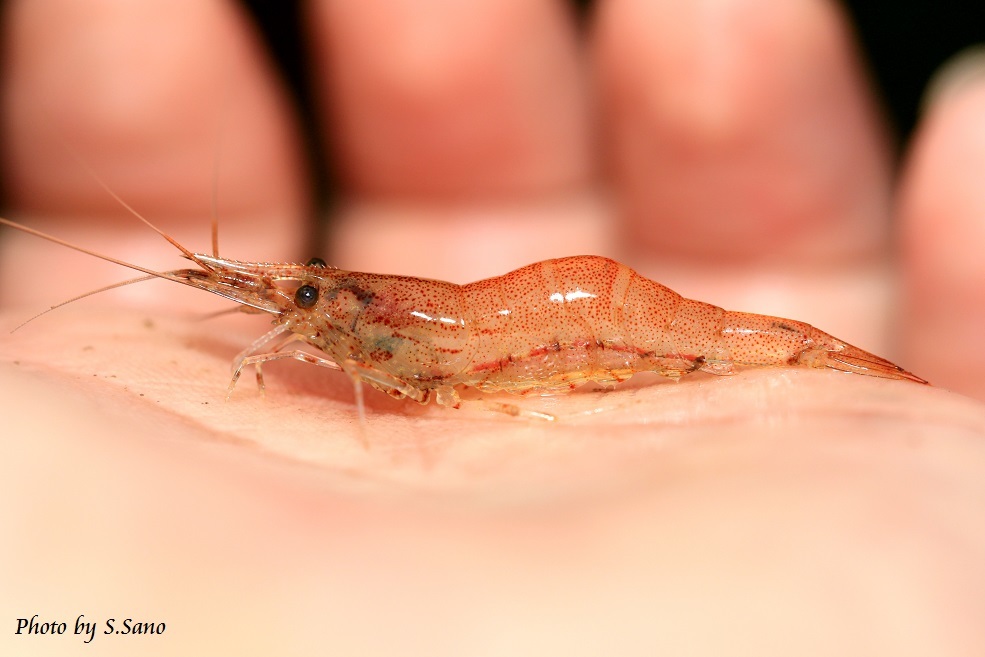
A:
{"x":544,"y":328}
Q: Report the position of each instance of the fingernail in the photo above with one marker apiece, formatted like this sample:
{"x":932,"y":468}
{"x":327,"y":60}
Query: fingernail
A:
{"x":963,"y":71}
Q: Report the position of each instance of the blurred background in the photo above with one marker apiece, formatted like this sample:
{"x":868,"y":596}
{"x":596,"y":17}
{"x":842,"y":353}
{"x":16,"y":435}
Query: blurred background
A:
{"x":904,"y":42}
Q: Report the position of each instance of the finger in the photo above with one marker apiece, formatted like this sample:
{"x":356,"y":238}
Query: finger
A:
{"x":740,"y":132}
{"x":942,"y":212}
{"x":452,"y":104}
{"x":149,"y":95}
{"x":439,"y":99}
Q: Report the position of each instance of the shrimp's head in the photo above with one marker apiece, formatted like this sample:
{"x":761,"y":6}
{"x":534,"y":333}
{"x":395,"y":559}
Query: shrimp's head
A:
{"x":278,"y":289}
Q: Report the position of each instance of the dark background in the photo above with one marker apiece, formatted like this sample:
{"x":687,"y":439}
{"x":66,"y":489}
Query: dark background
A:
{"x":904,"y":41}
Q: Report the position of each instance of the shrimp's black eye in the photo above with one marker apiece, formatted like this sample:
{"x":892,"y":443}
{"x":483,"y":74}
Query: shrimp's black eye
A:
{"x":317,"y":262}
{"x":306,"y":296}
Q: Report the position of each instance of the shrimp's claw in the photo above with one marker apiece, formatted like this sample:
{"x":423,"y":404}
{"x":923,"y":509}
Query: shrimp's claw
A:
{"x":856,"y":361}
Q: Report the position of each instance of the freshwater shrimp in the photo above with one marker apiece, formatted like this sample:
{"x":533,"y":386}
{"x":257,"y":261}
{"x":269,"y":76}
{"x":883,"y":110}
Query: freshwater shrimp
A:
{"x":544,"y":328}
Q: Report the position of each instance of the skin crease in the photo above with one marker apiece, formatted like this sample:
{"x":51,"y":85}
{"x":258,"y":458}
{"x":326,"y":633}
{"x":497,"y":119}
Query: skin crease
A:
{"x":771,"y":512}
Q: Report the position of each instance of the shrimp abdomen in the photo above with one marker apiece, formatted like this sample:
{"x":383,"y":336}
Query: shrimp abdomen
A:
{"x":759,"y":340}
{"x":559,"y":323}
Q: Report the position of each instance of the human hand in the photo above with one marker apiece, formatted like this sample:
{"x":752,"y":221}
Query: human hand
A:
{"x":741,"y":511}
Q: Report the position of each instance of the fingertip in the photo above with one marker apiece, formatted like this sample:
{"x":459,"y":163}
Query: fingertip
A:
{"x":741,"y":130}
{"x":942,"y":222}
{"x":150,"y":95}
{"x":437,"y":100}
{"x":147,"y":94}
{"x":963,"y":71}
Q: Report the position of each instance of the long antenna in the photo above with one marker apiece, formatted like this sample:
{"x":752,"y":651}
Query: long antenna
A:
{"x":167,"y":275}
{"x":85,"y":165}
{"x":215,"y":199}
{"x":81,"y":296}
{"x":122,"y":263}
{"x":217,"y":158}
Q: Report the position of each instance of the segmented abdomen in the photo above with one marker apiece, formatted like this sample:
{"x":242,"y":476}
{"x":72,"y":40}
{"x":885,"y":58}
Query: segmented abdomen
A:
{"x":559,"y":323}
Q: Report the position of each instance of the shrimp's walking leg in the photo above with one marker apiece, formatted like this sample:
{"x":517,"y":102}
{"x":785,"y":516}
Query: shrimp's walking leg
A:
{"x":256,"y":346}
{"x":259,"y":359}
{"x":356,"y":371}
{"x":359,"y":373}
{"x":241,"y":359}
